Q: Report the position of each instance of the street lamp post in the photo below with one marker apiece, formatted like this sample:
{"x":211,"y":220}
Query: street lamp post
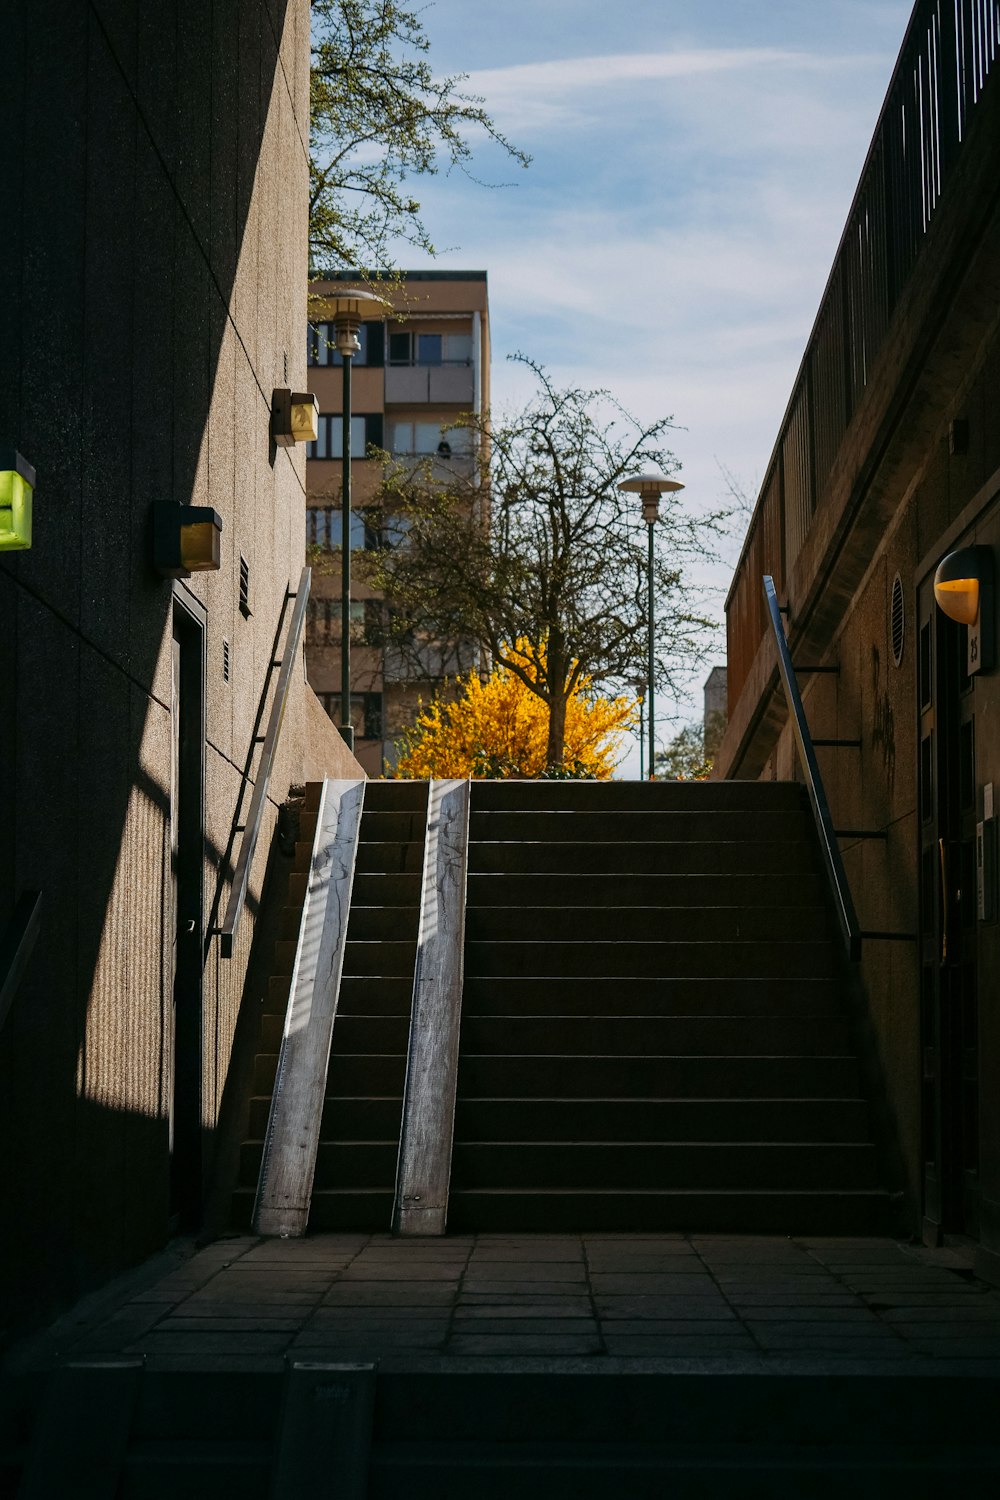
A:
{"x":649,"y":486}
{"x":347,"y":310}
{"x":639,"y":684}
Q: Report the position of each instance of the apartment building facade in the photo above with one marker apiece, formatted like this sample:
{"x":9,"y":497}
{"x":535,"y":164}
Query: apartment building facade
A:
{"x":417,"y":371}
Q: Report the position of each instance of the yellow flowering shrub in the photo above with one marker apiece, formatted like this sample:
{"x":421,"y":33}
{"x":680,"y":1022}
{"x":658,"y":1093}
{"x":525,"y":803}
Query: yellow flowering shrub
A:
{"x":499,"y":728}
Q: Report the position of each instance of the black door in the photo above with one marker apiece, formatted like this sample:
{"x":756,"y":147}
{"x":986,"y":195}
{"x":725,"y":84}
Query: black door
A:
{"x":949,"y":1008}
{"x":187,"y":839}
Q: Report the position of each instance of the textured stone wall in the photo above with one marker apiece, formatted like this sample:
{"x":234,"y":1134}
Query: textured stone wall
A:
{"x":153,"y":276}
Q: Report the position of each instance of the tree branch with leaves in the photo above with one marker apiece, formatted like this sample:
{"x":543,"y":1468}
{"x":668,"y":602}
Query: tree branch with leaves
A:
{"x":530,"y":540}
{"x":379,"y":117}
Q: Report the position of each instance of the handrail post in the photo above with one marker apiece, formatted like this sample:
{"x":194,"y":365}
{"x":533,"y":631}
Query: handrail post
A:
{"x":846,"y":915}
{"x":241,"y":875}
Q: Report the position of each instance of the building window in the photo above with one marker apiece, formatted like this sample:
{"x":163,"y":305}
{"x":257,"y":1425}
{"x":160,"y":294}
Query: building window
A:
{"x":323,"y":621}
{"x":321,"y":345}
{"x":366,"y":712}
{"x":430,"y":349}
{"x":324,"y":528}
{"x":426,"y":440}
{"x":366,"y":432}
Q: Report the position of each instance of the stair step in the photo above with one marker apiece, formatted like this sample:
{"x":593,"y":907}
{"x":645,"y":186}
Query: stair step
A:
{"x":353,"y":1074}
{"x":396,"y":796}
{"x":626,"y":960}
{"x":381,"y":924}
{"x":371,"y":1033}
{"x":390,"y":858}
{"x":484,"y":1119}
{"x":731,"y":856}
{"x":357,"y":1164}
{"x":580,"y":825}
{"x":378,"y":889}
{"x":650,"y":890}
{"x":643,"y":1035}
{"x":742,"y":996}
{"x":552,"y":1210}
{"x":662,"y":924}
{"x":350,"y":1208}
{"x":392,"y":957}
{"x":648,"y":1471}
{"x":375,"y":994}
{"x":679,"y":1166}
{"x":383,"y":827}
{"x":624,"y":796}
{"x":359,"y":1119}
{"x":534,"y":1077}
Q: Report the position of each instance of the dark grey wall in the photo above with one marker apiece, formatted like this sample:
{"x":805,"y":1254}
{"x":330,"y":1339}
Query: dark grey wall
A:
{"x":153,"y":178}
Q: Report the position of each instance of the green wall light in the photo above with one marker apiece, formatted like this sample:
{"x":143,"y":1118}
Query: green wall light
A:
{"x":17,"y":484}
{"x":186,"y":539}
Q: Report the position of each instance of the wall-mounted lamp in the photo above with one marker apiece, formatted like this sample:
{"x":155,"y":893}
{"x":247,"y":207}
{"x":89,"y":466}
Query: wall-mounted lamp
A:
{"x":963,"y":589}
{"x":17,"y":483}
{"x":294,"y":417}
{"x":186,"y":539}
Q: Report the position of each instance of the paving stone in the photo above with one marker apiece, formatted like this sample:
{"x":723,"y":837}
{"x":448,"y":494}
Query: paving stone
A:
{"x":523,"y":1344}
{"x":488,"y":1286}
{"x":839,"y":1316}
{"x":199,"y":1342}
{"x":501,"y":1270}
{"x":677,"y":1347}
{"x":473,"y":1305}
{"x":375,"y":1317}
{"x":957,"y":1348}
{"x":610,"y":1305}
{"x":413,"y":1336}
{"x":955,"y":1317}
{"x":644,"y":1265}
{"x":954,"y":1300}
{"x":819,"y":1335}
{"x":389,"y":1293}
{"x":231,"y":1325}
{"x":570,"y":1307}
{"x":521,"y":1326}
{"x":259,"y":1295}
{"x":690,"y":1284}
{"x":412,"y":1271}
{"x":818,"y":1298}
{"x":688,"y":1327}
{"x":555,"y":1255}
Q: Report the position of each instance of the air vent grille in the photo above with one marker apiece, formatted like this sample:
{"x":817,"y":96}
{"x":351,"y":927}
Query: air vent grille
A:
{"x":897,"y":620}
{"x":225,"y":661}
{"x":244,"y":587}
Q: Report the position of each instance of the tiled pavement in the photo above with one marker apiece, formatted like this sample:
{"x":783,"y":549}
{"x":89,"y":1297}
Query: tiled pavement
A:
{"x":755,"y":1301}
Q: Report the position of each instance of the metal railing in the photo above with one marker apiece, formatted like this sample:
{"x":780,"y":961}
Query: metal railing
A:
{"x":829,"y":849}
{"x":251,"y":830}
{"x":950,"y":50}
{"x":15,"y":947}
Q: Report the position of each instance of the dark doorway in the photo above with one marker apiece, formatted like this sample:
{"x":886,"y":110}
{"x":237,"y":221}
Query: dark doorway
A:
{"x":187,"y":842}
{"x":948,"y":971}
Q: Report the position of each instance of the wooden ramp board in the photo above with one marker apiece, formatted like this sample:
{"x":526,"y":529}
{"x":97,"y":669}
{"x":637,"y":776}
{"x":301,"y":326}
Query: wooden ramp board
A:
{"x":288,"y":1165}
{"x":424,"y":1171}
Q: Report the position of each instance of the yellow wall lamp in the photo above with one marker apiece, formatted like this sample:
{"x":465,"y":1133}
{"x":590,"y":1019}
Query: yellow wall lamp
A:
{"x":186,"y":539}
{"x":963,"y":589}
{"x":294,"y":417}
{"x":17,"y":484}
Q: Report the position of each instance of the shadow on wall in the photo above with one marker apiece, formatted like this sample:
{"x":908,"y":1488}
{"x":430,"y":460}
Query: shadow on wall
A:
{"x":132,"y":135}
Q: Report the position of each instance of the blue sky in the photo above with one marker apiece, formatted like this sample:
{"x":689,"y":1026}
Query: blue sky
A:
{"x":693,"y":165}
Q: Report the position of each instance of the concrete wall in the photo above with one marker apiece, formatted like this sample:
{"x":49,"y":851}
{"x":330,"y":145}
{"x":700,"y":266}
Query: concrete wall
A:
{"x":901,"y":493}
{"x":153,"y":269}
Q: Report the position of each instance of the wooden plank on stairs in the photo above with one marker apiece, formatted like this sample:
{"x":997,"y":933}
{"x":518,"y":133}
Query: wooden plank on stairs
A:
{"x":424,"y":1170}
{"x":288,"y":1164}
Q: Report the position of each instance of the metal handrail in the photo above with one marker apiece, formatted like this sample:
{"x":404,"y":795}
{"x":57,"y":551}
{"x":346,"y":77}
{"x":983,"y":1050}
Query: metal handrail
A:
{"x":251,"y":832}
{"x":15,"y":947}
{"x":830,"y":850}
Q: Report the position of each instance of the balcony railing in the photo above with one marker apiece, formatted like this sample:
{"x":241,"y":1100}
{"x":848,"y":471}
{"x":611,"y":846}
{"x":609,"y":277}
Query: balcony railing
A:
{"x":951,"y":48}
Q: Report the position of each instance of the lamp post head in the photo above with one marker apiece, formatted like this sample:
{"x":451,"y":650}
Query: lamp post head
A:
{"x":347,"y":311}
{"x":649,"y":486}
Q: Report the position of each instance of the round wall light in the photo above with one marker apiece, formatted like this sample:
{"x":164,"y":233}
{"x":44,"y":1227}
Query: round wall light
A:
{"x":963,"y":590}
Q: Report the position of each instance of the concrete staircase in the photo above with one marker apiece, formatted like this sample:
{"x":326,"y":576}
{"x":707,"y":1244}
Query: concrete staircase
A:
{"x":356,"y":1164}
{"x":653,"y":1034}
